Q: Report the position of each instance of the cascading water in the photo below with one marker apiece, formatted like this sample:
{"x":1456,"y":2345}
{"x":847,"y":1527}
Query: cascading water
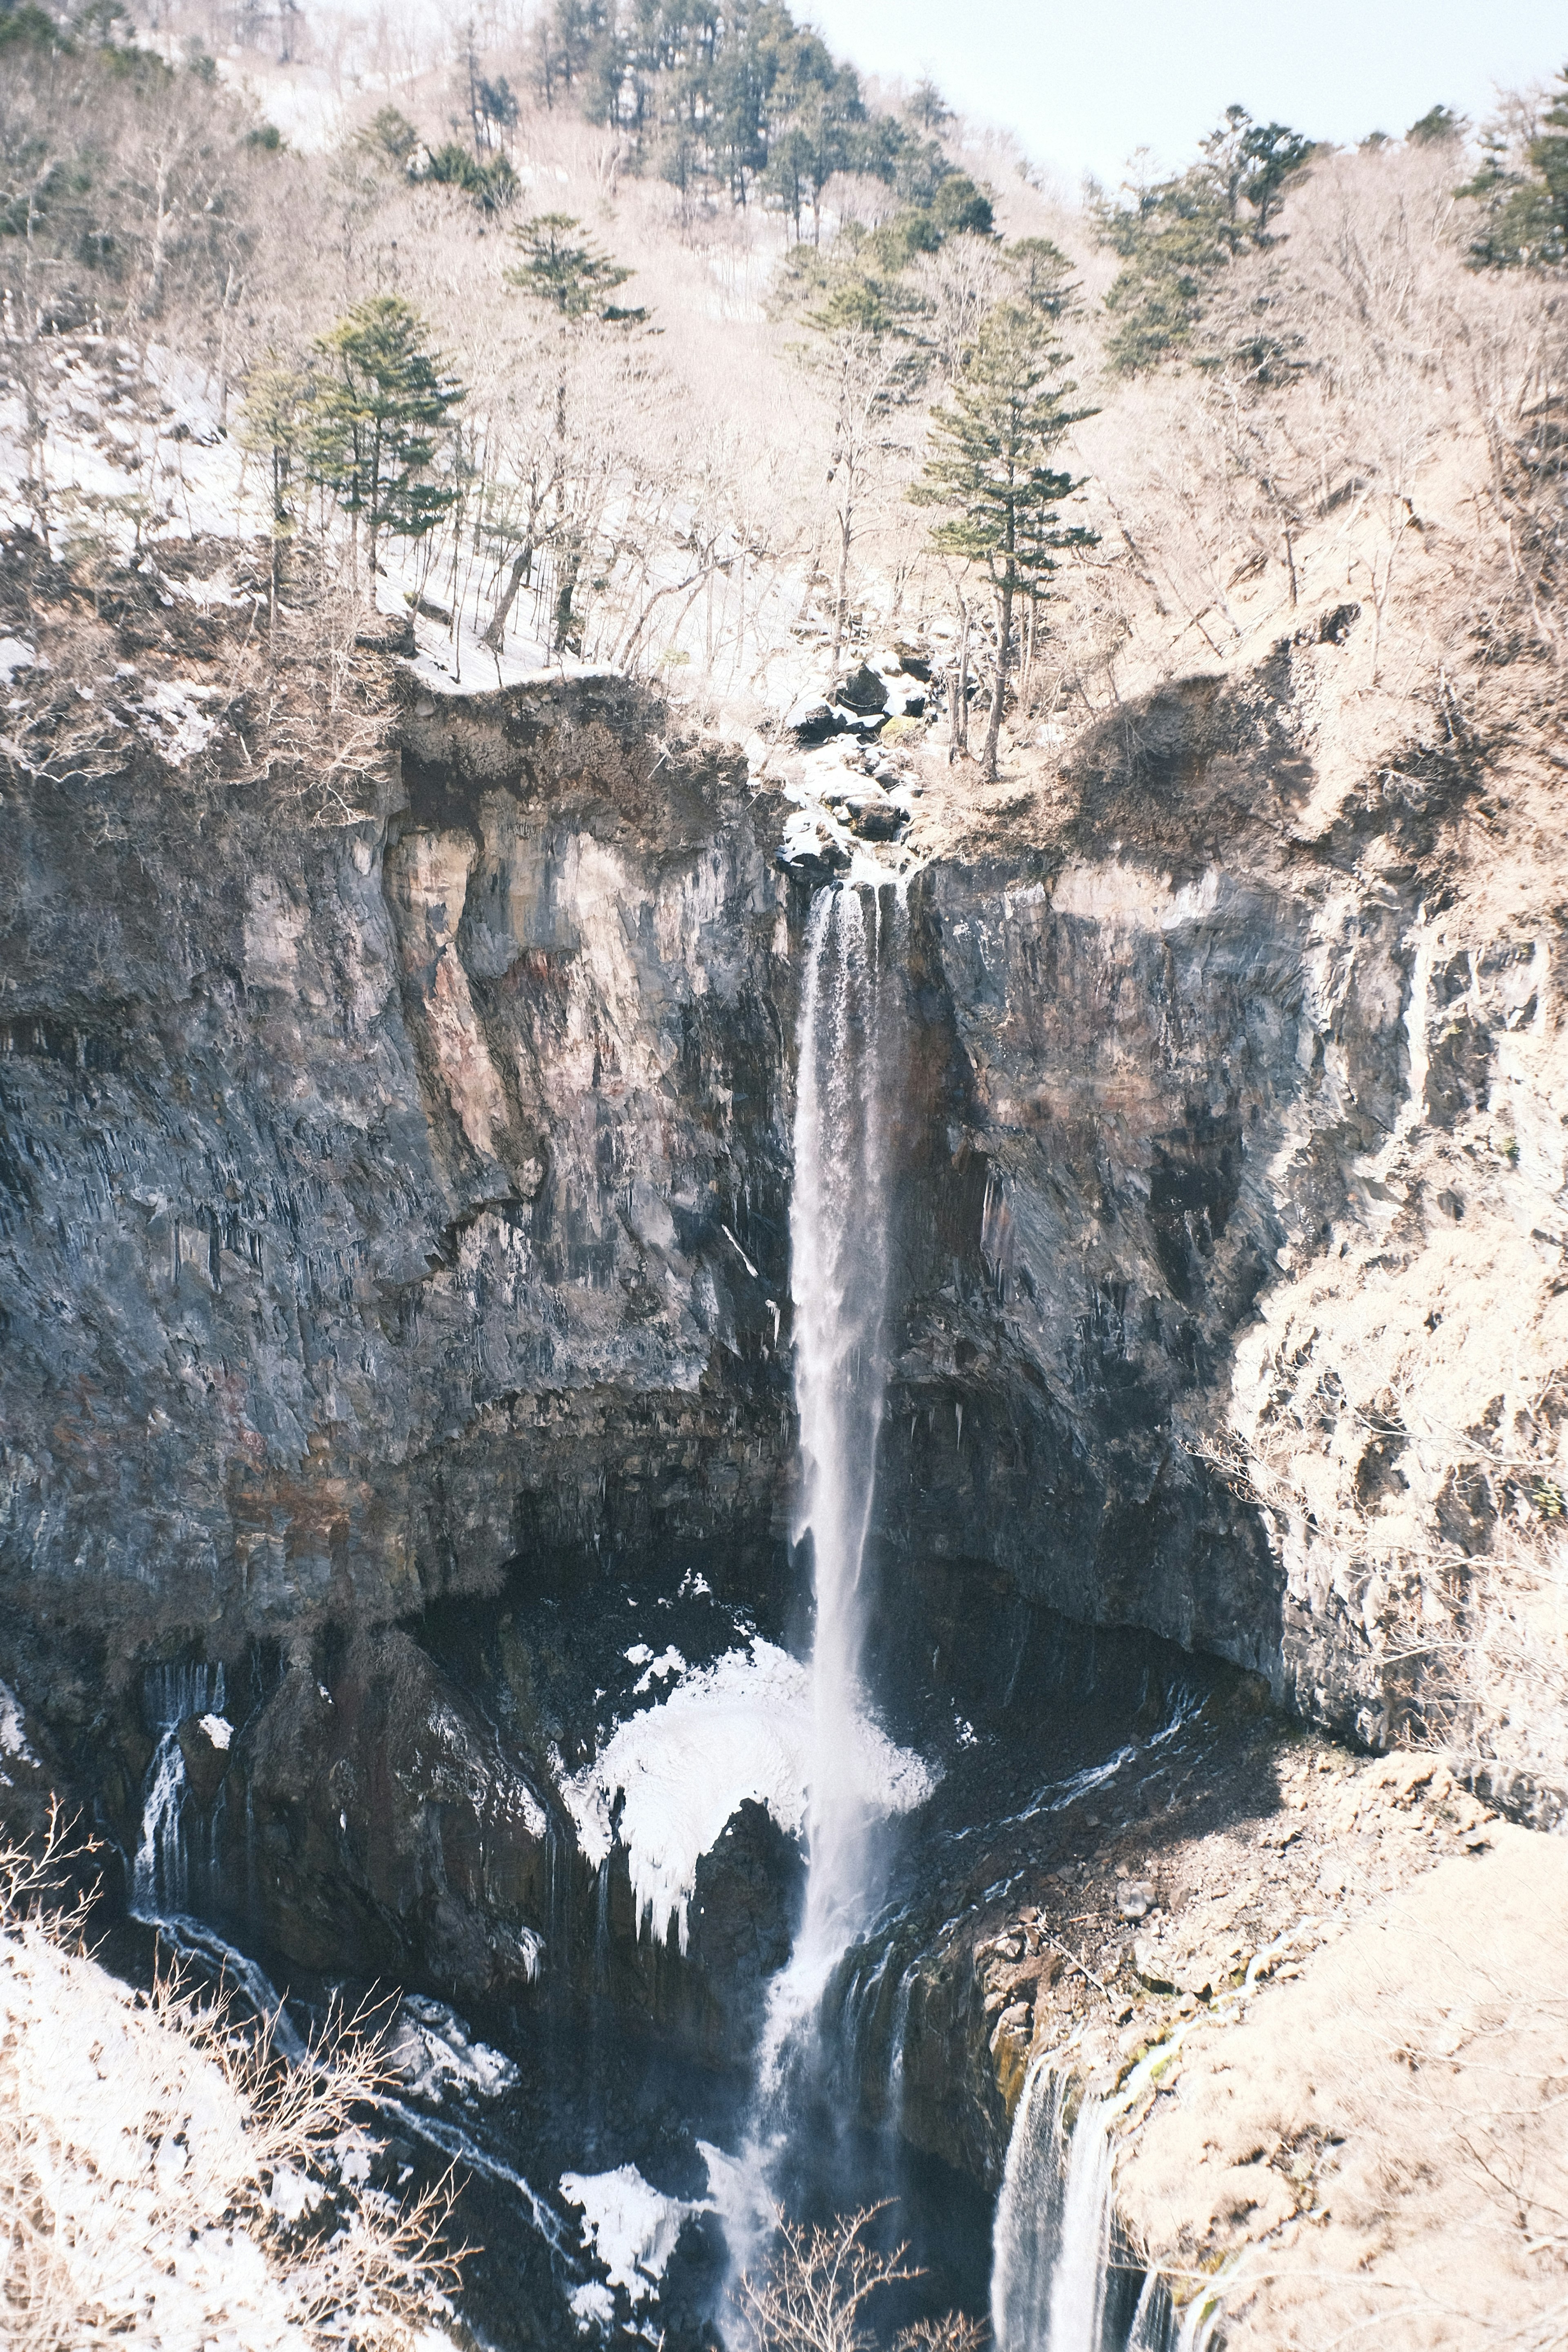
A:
{"x":851,"y":1066}
{"x":838,"y":1283}
{"x":161,"y":1872}
{"x":163,"y":1893}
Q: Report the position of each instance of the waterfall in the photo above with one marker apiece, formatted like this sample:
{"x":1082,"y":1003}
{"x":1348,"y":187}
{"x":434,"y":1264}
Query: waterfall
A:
{"x":161,"y":1872}
{"x":849,"y":1074}
{"x":1052,"y":2242}
{"x":838,"y":1283}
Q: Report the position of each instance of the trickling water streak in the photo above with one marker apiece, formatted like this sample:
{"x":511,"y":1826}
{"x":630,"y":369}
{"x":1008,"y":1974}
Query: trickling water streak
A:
{"x":896,"y":2057}
{"x":1154,"y":2325}
{"x":453,"y":2141}
{"x":197,"y":1940}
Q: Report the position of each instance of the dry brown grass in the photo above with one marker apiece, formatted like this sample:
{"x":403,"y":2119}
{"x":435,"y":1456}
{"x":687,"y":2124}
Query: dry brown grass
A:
{"x":162,"y":2172}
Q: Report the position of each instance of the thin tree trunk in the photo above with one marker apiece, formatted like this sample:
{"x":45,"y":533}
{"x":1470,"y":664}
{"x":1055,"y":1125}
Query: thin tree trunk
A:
{"x":958,"y":731}
{"x":522,"y":565}
{"x":841,"y":601}
{"x":1003,"y":648}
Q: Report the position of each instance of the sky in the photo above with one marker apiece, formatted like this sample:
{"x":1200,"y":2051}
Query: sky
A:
{"x":1084,"y":82}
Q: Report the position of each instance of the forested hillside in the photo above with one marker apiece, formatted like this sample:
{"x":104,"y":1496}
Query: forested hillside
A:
{"x":642,"y":340}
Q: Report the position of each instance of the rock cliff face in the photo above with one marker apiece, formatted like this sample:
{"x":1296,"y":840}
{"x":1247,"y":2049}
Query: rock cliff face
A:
{"x":352,"y":1175}
{"x":395,"y":1220}
{"x":385,"y":1208}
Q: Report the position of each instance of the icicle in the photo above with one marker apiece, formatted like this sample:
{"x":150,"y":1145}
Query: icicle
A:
{"x":602,"y":1928}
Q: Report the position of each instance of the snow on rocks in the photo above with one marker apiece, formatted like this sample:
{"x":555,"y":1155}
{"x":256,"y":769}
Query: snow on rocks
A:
{"x":13,"y":1736}
{"x":739,"y":1728}
{"x":631,"y":2227}
{"x":432,"y":2053}
{"x":173,"y":719}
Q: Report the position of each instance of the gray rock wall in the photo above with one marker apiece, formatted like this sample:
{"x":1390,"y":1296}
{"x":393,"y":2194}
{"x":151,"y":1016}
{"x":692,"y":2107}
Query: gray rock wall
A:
{"x":378,"y":1202}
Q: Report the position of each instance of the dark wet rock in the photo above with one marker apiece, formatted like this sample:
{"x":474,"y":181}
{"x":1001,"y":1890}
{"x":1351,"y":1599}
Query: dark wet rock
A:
{"x":812,"y":723}
{"x":876,"y":820}
{"x":744,"y":1915}
{"x":864,"y":692}
{"x":206,"y":1760}
{"x":391,"y":1830}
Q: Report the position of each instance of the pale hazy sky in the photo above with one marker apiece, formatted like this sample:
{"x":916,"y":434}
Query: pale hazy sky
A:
{"x":1083,"y":82}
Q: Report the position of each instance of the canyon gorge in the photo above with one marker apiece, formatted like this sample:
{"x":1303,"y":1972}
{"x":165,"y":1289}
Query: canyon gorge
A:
{"x":783,"y":1209}
{"x":399,"y":1406}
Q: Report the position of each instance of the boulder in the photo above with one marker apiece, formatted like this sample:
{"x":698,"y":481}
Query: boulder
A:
{"x":812,"y":722}
{"x":864,"y":692}
{"x":207,"y":1756}
{"x":876,"y":820}
{"x":810,"y":850}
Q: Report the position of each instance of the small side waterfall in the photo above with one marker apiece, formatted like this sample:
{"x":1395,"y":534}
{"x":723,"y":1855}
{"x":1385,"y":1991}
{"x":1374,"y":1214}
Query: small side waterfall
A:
{"x":1061,"y":2277}
{"x":161,"y":1872}
{"x":1052,"y":2244}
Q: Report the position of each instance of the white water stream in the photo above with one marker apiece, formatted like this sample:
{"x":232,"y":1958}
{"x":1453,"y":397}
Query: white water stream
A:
{"x":1052,"y":2238}
{"x":849,"y":1090}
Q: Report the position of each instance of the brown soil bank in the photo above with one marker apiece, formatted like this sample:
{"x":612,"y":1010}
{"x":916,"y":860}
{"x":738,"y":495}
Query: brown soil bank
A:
{"x":1377,"y":2150}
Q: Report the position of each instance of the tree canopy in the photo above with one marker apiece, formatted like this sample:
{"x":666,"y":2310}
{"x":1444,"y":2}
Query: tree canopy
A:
{"x":1176,"y":236}
{"x":379,"y":403}
{"x":988,"y":470}
{"x":1523,"y":201}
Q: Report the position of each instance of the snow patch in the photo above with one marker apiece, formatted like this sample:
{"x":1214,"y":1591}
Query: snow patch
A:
{"x":593,"y":2307}
{"x":218,"y":1729}
{"x":173,"y":719}
{"x":431,"y":2052}
{"x":629,"y":2225}
{"x":660,"y":1669}
{"x":739,"y":1728}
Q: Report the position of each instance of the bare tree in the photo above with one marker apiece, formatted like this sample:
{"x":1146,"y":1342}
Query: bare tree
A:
{"x":813,"y":2293}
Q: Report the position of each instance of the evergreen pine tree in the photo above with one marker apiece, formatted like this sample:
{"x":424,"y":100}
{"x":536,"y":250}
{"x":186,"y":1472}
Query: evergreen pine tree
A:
{"x":1524,"y":211}
{"x":988,"y":466}
{"x":379,"y":405}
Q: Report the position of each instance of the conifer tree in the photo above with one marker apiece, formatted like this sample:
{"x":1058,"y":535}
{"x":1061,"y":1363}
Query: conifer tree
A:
{"x":378,"y":408}
{"x":1524,"y":216}
{"x":988,"y":466}
{"x":274,"y":399}
{"x":572,"y":279}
